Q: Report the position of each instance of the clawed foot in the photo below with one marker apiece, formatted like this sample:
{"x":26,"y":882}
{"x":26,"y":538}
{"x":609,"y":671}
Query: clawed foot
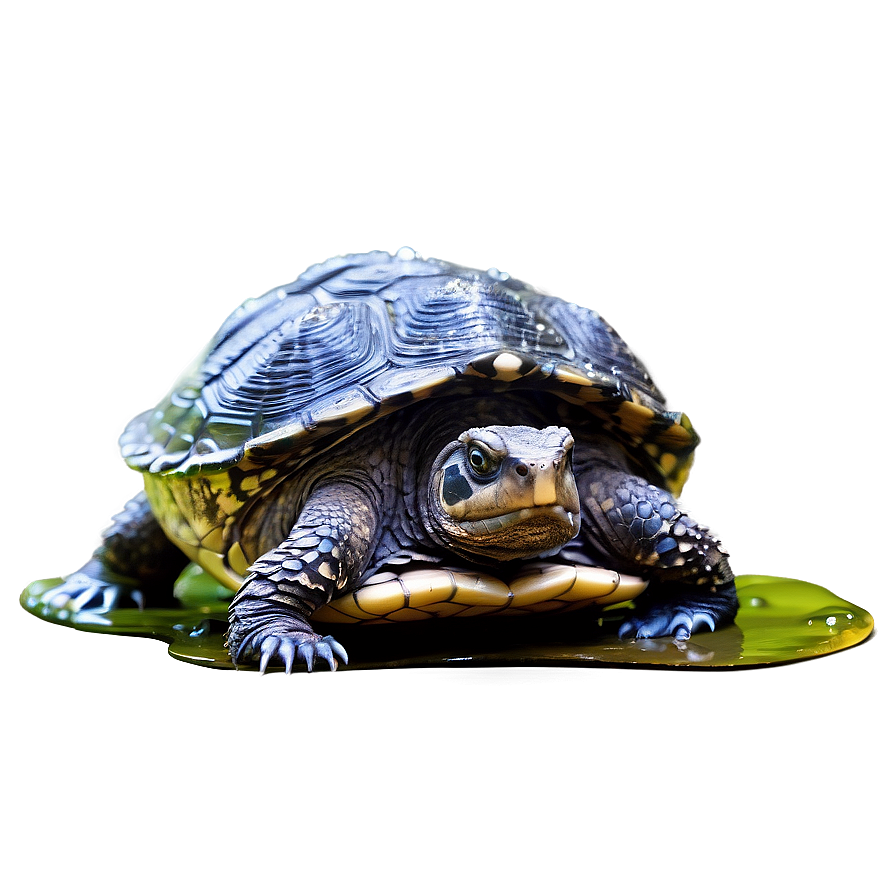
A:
{"x":82,"y":592}
{"x":309,"y":647}
{"x":660,"y":622}
{"x":291,"y":647}
{"x":679,"y":611}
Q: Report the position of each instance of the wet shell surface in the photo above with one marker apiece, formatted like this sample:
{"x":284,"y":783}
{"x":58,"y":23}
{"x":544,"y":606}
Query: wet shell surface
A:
{"x":359,"y":336}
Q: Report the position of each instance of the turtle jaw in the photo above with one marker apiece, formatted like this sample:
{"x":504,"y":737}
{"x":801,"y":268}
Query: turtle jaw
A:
{"x":529,"y":518}
{"x":521,"y":534}
{"x":505,"y":493}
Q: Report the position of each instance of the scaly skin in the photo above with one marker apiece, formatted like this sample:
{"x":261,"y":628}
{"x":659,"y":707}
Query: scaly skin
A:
{"x":640,"y":528}
{"x":325,"y":553}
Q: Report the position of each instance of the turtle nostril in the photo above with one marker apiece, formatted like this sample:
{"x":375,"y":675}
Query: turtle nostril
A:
{"x":522,"y":469}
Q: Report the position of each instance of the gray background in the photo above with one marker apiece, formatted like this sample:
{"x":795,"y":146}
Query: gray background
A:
{"x":716,"y":179}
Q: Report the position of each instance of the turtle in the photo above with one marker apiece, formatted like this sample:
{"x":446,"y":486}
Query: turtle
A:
{"x":394,"y":438}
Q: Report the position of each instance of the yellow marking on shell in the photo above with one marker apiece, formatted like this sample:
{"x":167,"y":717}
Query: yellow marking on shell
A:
{"x":347,"y":409}
{"x":169,"y":514}
{"x":163,"y":494}
{"x":214,"y":564}
{"x":507,"y":367}
{"x":636,"y":418}
{"x":431,"y":381}
{"x":205,"y":502}
{"x":570,"y":375}
{"x":227,"y":502}
{"x":668,"y":462}
{"x":181,"y":494}
{"x":397,"y":381}
{"x":607,"y":505}
{"x":291,"y":433}
{"x":637,"y":410}
{"x":676,"y":434}
{"x":237,"y":561}
{"x":545,"y":492}
{"x":214,"y":541}
{"x":250,"y":484}
{"x":587,"y":395}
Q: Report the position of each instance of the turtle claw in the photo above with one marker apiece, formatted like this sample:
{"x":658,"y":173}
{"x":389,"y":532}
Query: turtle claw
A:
{"x":325,"y":652}
{"x":287,"y":648}
{"x":337,"y":649}
{"x":661,"y":622}
{"x":287,"y":653}
{"x":269,"y":647}
{"x":683,"y":624}
{"x":307,"y":651}
{"x":82,"y":592}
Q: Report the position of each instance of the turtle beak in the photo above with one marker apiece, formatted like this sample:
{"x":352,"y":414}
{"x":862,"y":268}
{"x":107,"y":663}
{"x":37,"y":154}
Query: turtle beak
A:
{"x":550,"y":479}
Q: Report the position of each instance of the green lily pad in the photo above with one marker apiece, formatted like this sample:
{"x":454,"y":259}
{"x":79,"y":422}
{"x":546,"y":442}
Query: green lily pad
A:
{"x":780,"y":620}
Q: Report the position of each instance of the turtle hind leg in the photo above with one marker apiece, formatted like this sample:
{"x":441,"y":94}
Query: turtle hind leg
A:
{"x":642,"y":529}
{"x":136,"y":565}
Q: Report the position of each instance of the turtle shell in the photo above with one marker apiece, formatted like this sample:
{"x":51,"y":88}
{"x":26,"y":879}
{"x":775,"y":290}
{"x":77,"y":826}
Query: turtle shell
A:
{"x":360,"y":336}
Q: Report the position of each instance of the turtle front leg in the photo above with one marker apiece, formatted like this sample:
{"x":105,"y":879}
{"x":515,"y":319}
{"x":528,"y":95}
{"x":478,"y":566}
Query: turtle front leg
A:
{"x":136,"y":564}
{"x":641,"y":528}
{"x":326,"y":551}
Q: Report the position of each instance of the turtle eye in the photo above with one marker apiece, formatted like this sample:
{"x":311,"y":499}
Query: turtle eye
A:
{"x":480,"y":463}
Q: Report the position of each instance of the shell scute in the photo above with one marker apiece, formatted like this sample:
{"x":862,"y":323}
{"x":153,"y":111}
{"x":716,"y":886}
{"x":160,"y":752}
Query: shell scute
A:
{"x":367,"y":271}
{"x":449,"y":317}
{"x":359,"y":336}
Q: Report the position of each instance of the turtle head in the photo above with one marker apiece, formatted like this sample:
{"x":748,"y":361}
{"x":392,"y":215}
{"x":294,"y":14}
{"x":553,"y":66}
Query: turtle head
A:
{"x":505,"y":492}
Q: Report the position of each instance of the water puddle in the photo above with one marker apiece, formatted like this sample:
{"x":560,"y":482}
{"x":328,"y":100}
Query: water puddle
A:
{"x":779,"y":621}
